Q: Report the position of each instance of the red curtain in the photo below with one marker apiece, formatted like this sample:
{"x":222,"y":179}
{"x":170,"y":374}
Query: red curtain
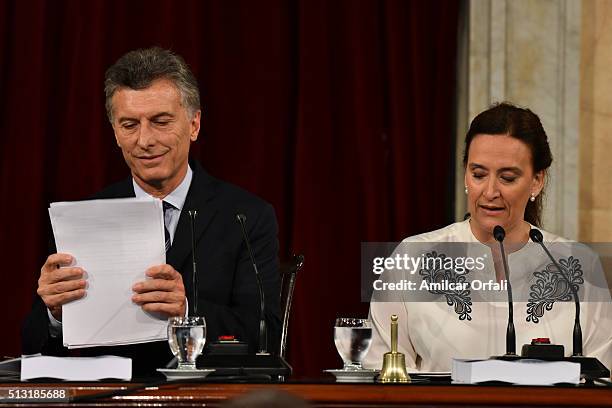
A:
{"x":339,"y":113}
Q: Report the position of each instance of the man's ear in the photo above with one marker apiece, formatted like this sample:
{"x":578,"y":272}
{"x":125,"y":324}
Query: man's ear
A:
{"x":195,"y":125}
{"x":115,"y":134}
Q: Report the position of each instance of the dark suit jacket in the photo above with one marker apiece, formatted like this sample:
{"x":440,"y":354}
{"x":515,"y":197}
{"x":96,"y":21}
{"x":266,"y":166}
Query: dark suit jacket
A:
{"x":227,"y":293}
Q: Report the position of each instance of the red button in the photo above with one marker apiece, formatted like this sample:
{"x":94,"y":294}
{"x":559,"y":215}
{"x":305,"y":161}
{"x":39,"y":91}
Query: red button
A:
{"x":540,"y":340}
{"x":227,"y":338}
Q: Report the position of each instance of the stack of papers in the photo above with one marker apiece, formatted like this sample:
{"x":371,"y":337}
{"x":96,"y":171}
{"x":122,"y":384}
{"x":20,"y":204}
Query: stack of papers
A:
{"x":522,"y":372}
{"x":10,"y":369}
{"x":76,"y":368}
{"x":115,"y":242}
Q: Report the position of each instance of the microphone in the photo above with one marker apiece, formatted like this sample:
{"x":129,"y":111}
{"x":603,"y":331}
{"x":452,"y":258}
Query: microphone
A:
{"x":590,"y":367}
{"x":231,"y":363}
{"x":499,"y":234}
{"x":263,"y":338}
{"x":194,"y":277}
{"x":536,"y":236}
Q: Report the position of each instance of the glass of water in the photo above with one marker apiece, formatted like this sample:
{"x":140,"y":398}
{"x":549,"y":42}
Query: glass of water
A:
{"x":353,"y":338}
{"x":186,"y":337}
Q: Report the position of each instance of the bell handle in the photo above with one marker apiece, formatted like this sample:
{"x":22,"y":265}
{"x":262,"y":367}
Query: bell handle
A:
{"x":393,"y":334}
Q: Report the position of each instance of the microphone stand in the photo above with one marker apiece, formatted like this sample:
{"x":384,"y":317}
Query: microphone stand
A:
{"x":263,"y":338}
{"x":499,"y":234}
{"x":536,"y":236}
{"x":262,"y":366}
{"x":590,"y":367}
{"x":194,"y":277}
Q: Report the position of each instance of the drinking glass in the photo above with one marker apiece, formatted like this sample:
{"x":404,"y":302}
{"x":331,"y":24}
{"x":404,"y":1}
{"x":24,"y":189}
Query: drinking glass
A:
{"x":186,"y":337}
{"x":353,"y":338}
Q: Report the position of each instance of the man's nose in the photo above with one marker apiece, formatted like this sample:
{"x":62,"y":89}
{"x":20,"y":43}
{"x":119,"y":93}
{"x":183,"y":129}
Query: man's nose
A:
{"x":146,"y":135}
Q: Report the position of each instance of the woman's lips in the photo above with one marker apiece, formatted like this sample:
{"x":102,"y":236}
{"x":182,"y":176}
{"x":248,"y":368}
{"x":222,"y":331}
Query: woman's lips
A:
{"x":491,"y":210}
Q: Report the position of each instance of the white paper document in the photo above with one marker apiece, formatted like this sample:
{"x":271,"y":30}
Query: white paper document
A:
{"x":10,"y":369}
{"x":76,"y":368}
{"x":522,"y":372}
{"x":115,"y":241}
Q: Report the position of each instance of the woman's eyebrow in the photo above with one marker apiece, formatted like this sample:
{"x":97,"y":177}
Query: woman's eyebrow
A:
{"x":474,"y":166}
{"x":512,"y":169}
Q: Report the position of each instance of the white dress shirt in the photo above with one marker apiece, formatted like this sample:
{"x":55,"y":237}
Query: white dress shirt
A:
{"x":177,"y":198}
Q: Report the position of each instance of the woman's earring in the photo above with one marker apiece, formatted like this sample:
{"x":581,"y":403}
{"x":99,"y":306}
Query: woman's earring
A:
{"x":532,"y":198}
{"x":466,"y":190}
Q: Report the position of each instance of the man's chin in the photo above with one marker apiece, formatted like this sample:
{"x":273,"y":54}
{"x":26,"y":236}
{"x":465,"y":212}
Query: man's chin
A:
{"x":153,"y":177}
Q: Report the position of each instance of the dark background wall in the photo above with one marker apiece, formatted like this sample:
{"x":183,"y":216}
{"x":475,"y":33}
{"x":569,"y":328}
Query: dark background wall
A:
{"x":339,"y":113}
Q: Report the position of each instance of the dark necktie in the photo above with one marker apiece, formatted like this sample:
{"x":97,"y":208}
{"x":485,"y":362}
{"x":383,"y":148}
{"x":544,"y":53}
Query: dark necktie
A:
{"x":166,"y":206}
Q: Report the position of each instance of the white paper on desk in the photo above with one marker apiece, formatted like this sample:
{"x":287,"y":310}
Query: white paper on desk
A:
{"x":115,"y":241}
{"x":76,"y":368}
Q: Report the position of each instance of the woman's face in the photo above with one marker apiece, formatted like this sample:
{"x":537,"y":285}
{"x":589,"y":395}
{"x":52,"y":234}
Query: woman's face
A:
{"x":500,"y":180}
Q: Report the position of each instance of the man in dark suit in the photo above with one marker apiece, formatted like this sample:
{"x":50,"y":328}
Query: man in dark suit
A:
{"x":152,"y":101}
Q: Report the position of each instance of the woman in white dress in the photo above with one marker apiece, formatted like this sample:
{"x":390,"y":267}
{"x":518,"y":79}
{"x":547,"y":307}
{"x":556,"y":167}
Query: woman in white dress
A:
{"x":506,"y":159}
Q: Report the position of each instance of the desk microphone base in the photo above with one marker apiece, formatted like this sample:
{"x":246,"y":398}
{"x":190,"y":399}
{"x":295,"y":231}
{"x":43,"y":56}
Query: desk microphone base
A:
{"x":246,"y":365}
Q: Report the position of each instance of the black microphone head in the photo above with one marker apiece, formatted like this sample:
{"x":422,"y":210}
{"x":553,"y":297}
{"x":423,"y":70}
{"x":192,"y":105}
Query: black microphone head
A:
{"x":240,"y":217}
{"x":499,"y":233}
{"x":536,"y":235}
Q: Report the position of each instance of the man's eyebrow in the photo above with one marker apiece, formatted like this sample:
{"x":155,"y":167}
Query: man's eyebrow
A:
{"x":125,"y":118}
{"x":160,"y":115}
{"x":156,"y":116}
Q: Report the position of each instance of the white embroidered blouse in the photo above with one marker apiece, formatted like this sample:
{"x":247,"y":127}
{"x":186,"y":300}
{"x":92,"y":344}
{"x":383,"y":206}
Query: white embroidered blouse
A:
{"x":432,"y":333}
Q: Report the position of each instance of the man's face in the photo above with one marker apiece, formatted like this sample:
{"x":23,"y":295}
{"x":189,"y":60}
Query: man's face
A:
{"x":154,"y":131}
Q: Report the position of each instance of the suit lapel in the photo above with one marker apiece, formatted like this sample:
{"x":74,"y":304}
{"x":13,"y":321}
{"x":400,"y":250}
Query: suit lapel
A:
{"x":199,"y":198}
{"x":122,"y":189}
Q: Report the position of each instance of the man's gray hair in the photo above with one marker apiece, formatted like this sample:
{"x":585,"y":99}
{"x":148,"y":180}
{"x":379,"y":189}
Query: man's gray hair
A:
{"x":139,"y":68}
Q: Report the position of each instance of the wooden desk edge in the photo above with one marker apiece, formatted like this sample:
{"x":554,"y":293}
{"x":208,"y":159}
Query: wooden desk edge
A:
{"x":357,"y":394}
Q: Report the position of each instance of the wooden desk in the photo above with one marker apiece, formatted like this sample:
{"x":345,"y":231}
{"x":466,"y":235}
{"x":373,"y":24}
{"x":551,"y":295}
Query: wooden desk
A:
{"x":343,"y":395}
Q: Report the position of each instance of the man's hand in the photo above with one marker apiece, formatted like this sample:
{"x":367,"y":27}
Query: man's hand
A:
{"x":58,"y":286}
{"x":163,"y":293}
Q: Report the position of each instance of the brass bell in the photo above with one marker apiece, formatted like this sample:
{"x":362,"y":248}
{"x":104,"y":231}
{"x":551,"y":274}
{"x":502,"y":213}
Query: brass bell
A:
{"x":394,"y":363}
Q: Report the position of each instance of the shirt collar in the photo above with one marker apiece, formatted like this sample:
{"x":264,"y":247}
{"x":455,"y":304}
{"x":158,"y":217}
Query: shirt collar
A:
{"x":176,"y":197}
{"x":465,"y":232}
